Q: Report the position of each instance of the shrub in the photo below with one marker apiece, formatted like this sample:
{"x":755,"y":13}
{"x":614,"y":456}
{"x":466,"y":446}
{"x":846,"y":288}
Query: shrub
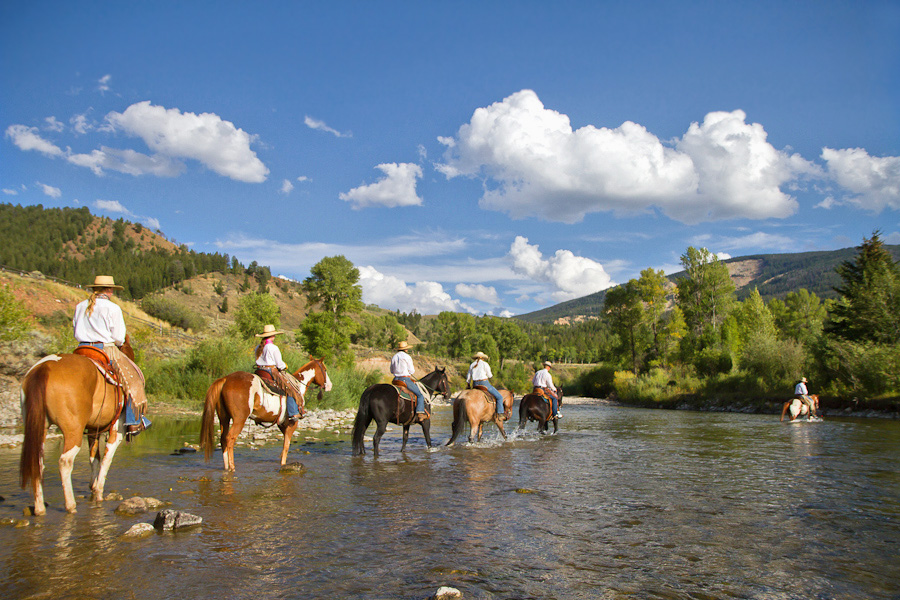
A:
{"x":596,"y":383}
{"x":173,"y":313}
{"x":713,"y":361}
{"x":777,"y":363}
{"x":14,"y":317}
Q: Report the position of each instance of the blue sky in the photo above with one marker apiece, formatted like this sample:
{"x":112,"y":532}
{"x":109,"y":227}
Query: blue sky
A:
{"x":490,"y":157}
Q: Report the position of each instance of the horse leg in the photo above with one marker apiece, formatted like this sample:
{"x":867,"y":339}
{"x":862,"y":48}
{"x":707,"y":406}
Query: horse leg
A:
{"x":380,"y":428}
{"x":500,"y":427}
{"x":426,"y":431}
{"x":231,"y":439}
{"x":66,"y":462}
{"x":94,"y":456}
{"x":112,"y":443}
{"x":288,"y":434}
{"x":405,"y":437}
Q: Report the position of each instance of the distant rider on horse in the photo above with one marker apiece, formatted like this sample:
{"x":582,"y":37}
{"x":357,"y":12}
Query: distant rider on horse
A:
{"x":479,"y":374}
{"x":99,"y":323}
{"x":543,"y":382}
{"x":403,"y":369}
{"x":802,"y":394}
{"x":270,"y":366}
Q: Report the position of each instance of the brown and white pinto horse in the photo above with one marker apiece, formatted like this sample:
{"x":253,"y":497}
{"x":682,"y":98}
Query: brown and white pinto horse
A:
{"x":242,"y":395}
{"x":798,"y":407}
{"x":477,"y":407}
{"x":69,"y":391}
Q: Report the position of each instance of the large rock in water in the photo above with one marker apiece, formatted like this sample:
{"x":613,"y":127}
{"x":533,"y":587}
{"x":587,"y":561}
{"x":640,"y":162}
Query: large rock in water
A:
{"x":168,"y":519}
{"x":137,"y":505}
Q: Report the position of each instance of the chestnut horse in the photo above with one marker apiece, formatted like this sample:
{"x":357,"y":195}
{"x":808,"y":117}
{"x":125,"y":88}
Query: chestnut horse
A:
{"x":242,"y":395}
{"x":533,"y":407}
{"x":381,"y":402}
{"x":478,"y":407}
{"x":69,"y":391}
{"x":798,"y":407}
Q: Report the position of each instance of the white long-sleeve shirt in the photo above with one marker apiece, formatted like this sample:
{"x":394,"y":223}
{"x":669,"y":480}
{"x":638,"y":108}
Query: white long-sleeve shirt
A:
{"x":402,"y":365}
{"x":270,"y":355}
{"x":800,"y":390}
{"x":479,"y":370}
{"x":543,"y":379}
{"x":105,"y":324}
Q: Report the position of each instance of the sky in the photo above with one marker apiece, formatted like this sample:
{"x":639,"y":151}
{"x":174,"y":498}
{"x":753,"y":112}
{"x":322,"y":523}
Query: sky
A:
{"x":472,"y":156}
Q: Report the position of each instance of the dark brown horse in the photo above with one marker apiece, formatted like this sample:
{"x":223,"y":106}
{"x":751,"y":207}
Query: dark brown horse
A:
{"x":477,"y":407}
{"x":534,"y":407}
{"x":382,"y":403}
{"x":69,"y":391}
{"x":242,"y":395}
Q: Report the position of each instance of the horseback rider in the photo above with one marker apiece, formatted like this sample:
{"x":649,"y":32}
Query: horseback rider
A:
{"x":403,"y":369}
{"x":99,"y":323}
{"x":269,"y":362}
{"x":802,"y":394}
{"x":479,"y":375}
{"x":542,"y":380}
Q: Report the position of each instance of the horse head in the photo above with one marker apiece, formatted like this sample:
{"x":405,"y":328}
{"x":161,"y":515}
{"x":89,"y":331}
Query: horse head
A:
{"x":320,"y":375}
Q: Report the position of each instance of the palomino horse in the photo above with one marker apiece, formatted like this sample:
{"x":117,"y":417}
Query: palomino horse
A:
{"x":382,"y":403}
{"x":69,"y":391}
{"x":798,"y":407}
{"x":533,"y":407}
{"x":242,"y":395}
{"x":478,"y":407}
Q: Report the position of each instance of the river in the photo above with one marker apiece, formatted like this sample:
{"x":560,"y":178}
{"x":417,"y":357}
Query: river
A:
{"x":621,"y":503}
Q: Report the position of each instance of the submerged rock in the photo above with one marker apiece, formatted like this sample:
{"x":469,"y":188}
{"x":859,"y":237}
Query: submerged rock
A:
{"x":139,"y":530}
{"x":446,"y":593}
{"x":137,"y":505}
{"x":293,"y":468}
{"x":168,"y":520}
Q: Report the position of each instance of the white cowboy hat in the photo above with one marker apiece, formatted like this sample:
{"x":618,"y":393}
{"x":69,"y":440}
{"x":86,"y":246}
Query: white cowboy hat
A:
{"x":268,"y":331}
{"x":547,"y":363}
{"x":480,"y":355}
{"x":104,"y":281}
{"x":403,"y":345}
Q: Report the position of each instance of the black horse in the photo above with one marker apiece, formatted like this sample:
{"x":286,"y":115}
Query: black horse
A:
{"x":381,"y":402}
{"x":534,"y":407}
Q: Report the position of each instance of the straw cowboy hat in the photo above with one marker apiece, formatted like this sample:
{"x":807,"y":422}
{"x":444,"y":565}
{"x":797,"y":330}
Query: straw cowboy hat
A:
{"x":547,"y":363}
{"x":803,"y":379}
{"x":268,"y":331}
{"x":403,"y":345}
{"x":105,"y":281}
{"x":480,"y":355}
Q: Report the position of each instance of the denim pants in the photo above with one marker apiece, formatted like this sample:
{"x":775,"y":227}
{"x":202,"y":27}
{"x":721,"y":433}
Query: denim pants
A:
{"x":411,"y":385}
{"x":291,"y":408}
{"x":487,"y":384}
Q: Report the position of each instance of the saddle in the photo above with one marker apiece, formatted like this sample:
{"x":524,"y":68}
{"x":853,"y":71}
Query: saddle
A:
{"x":405,"y":395}
{"x":101,"y":361}
{"x":539,"y":391}
{"x":269,"y":380}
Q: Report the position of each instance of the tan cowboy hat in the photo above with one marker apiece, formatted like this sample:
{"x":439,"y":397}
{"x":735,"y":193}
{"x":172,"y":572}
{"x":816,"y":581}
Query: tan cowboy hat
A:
{"x":547,"y":363}
{"x":268,"y":331}
{"x":480,"y":355}
{"x":803,"y":379}
{"x":403,"y":345}
{"x":104,"y":281}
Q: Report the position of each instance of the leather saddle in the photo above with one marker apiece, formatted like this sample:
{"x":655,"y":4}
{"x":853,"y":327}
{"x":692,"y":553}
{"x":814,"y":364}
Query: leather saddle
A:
{"x":539,"y":391}
{"x":100,"y":360}
{"x":269,"y":380}
{"x":404,"y":391}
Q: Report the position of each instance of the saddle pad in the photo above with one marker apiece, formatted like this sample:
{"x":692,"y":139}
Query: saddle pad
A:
{"x":404,"y":392}
{"x":101,"y":361}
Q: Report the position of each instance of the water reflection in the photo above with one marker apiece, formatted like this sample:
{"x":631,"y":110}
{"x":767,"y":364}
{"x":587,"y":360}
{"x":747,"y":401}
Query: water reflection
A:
{"x":620,"y":503}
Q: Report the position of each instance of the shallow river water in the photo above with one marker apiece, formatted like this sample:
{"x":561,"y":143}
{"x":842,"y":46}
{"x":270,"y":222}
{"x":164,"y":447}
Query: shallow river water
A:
{"x":621,"y":503}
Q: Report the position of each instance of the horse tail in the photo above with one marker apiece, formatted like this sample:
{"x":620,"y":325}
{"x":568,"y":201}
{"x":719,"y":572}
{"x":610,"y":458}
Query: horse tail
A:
{"x":34,"y":414}
{"x":361,"y":423}
{"x":459,"y":418}
{"x":207,"y":424}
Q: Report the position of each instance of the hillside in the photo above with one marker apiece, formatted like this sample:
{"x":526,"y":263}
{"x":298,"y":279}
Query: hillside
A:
{"x":774,"y":274}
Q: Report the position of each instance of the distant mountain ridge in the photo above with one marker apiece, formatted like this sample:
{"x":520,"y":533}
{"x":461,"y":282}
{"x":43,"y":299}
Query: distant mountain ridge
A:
{"x":775,"y":275}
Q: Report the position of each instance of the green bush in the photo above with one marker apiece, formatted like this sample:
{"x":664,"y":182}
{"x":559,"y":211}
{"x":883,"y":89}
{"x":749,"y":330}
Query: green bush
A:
{"x":860,"y":370}
{"x":713,"y":361}
{"x":776,"y":363}
{"x":596,"y":383}
{"x":173,"y":313}
{"x":185,"y":380}
{"x":15,"y":319}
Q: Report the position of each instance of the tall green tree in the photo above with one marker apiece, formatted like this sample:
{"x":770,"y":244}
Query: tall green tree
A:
{"x":624,"y":313}
{"x":254,"y":312}
{"x":705,"y":295}
{"x":333,"y":286}
{"x":869,"y":307}
{"x":800,"y":316}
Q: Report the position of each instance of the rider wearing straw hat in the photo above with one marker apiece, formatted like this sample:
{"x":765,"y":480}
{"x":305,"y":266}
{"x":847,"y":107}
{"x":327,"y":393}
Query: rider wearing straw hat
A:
{"x":479,"y":374}
{"x":802,"y":393}
{"x":543,"y":380}
{"x":98,"y":322}
{"x":268,"y":360}
{"x":402,"y":368}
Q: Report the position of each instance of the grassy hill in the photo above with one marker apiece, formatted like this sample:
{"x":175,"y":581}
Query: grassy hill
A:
{"x":774,"y":274}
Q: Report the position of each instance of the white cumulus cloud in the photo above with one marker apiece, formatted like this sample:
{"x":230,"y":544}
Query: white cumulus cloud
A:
{"x":113,"y":206}
{"x":128,"y":161}
{"x":426,"y":297}
{"x":723,"y":168}
{"x":396,"y":188}
{"x":207,"y":138}
{"x":53,"y":124}
{"x":482,"y":293}
{"x":874,"y":181}
{"x":28,"y":138}
{"x":571,"y":276}
{"x":49,"y":190}
{"x":286,"y":187}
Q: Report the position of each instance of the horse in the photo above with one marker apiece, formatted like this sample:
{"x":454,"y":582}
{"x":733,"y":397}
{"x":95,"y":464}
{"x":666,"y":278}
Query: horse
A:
{"x":478,"y":407}
{"x":243,"y":395}
{"x":69,"y":391}
{"x":534,"y":407}
{"x":382,"y":403}
{"x":798,"y":407}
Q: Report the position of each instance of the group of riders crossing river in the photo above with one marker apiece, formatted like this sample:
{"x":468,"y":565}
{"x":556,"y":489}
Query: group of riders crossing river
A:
{"x":99,"y":389}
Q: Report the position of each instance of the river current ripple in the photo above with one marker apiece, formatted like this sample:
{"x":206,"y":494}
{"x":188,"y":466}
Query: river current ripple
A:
{"x":621,"y":503}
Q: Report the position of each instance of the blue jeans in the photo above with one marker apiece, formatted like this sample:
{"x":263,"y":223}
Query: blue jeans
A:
{"x":291,"y":407}
{"x":420,"y":399}
{"x":131,"y":418}
{"x":487,"y":384}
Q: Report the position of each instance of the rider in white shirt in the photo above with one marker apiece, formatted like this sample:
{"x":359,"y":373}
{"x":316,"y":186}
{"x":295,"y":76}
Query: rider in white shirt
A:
{"x":542,"y":379}
{"x":402,"y":368}
{"x":99,"y":322}
{"x":479,"y":374}
{"x":802,"y":393}
{"x":268,"y":359}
